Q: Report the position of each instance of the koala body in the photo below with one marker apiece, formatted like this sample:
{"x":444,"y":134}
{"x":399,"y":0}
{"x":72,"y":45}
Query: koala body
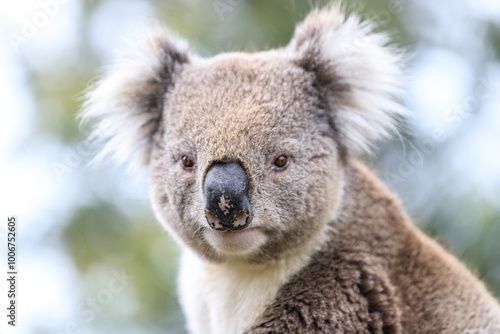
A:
{"x":253,"y":170}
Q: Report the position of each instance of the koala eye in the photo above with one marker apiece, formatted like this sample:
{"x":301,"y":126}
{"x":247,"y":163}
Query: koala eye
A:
{"x":187,"y":161}
{"x":281,"y":162}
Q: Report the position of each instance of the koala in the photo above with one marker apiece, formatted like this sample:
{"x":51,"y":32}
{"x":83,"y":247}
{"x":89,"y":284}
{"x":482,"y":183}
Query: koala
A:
{"x":255,"y":169}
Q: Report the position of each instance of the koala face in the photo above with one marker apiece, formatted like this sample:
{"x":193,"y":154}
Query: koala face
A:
{"x":246,"y":152}
{"x":263,"y":113}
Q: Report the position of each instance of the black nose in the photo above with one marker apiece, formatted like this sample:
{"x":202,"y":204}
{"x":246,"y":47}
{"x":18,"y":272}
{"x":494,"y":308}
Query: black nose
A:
{"x":226,"y":197}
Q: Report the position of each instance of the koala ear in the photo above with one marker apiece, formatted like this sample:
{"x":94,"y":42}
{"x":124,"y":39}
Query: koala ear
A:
{"x":127,"y":103}
{"x":358,"y":75}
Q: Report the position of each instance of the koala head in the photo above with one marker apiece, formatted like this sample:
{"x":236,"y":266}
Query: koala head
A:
{"x":247,"y":152}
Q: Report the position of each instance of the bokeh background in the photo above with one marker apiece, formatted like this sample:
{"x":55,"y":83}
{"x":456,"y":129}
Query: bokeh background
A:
{"x":93,"y":259}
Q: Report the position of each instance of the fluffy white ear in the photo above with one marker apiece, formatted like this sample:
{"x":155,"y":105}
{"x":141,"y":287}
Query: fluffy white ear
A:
{"x":126,"y":105}
{"x":358,"y":75}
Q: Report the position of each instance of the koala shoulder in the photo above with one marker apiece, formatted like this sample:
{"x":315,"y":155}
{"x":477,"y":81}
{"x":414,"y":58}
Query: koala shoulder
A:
{"x":379,"y":274}
{"x":344,"y":288}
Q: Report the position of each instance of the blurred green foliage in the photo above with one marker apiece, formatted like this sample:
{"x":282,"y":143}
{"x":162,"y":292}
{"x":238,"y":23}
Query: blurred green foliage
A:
{"x":101,"y":234}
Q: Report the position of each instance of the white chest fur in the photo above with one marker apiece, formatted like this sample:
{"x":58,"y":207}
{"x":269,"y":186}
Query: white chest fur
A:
{"x":227,"y":298}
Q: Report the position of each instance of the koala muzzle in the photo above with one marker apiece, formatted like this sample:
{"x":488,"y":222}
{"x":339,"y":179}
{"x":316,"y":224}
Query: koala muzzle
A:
{"x":226,"y":197}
